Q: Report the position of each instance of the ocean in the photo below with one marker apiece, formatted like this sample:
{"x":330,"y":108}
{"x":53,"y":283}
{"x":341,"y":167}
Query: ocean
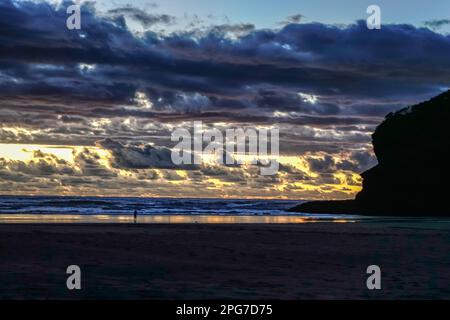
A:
{"x":54,"y":209}
{"x":115,"y":209}
{"x":144,"y":206}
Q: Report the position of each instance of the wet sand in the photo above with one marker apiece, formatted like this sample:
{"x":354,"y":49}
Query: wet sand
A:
{"x":231,"y":261}
{"x":169,"y":219}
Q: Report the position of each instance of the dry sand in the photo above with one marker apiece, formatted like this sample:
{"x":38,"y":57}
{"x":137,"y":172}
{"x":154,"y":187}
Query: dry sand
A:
{"x":196,"y":261}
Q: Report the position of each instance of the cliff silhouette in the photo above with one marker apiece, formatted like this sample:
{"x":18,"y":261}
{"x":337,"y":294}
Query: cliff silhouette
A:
{"x":412,"y":177}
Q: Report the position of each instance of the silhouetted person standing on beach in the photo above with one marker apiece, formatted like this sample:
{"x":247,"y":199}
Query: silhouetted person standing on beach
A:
{"x":135,"y":216}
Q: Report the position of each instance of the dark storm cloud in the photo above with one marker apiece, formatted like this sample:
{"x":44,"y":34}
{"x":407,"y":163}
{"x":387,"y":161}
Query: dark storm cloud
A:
{"x":317,"y":58}
{"x":296,"y":18}
{"x":325,"y":164}
{"x":236,"y":29}
{"x":140,"y":156}
{"x":141,"y":16}
{"x":358,"y":161}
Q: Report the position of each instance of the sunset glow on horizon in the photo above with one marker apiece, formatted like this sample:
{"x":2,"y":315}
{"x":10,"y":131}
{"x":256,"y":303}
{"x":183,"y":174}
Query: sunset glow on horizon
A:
{"x":51,"y":164}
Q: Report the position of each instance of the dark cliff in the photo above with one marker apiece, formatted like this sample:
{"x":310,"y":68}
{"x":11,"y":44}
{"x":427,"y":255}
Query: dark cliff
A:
{"x":413,"y":175}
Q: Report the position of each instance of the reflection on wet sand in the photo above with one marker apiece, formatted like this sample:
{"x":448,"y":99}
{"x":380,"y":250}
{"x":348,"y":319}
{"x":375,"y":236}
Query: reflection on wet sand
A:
{"x":177,"y":219}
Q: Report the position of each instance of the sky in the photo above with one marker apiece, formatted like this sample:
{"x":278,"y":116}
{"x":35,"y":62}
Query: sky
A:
{"x":91,"y":111}
{"x":272,"y":12}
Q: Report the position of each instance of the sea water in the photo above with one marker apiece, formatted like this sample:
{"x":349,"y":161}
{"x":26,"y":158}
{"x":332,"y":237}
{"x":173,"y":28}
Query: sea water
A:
{"x":154,"y":210}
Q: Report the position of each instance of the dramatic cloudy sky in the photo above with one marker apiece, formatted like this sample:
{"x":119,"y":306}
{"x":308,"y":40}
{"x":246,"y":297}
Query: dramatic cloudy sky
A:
{"x":91,"y":111}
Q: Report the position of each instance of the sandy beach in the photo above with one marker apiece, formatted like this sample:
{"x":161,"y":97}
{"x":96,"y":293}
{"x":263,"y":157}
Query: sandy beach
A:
{"x":240,"y":261}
